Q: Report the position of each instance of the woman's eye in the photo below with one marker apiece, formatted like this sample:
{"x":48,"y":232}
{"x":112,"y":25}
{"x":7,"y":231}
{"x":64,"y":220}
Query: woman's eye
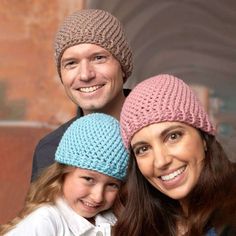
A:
{"x":174,"y":136}
{"x":140,"y":150}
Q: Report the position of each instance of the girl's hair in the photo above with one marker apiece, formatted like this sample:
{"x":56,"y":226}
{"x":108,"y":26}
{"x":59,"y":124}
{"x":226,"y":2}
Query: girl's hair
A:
{"x":45,"y":189}
{"x":212,"y":202}
{"x":81,"y":146}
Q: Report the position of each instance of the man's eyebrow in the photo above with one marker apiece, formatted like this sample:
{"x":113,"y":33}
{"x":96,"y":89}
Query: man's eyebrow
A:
{"x":66,"y":59}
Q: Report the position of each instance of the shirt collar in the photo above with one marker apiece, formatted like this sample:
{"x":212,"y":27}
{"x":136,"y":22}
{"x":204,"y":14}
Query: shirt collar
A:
{"x":78,"y":224}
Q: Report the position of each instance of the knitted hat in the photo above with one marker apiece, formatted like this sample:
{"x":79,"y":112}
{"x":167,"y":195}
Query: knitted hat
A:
{"x":96,"y":27}
{"x":162,"y":98}
{"x":94,"y":142}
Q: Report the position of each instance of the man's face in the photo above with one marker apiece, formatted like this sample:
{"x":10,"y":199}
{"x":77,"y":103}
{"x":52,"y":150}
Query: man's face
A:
{"x":92,"y":77}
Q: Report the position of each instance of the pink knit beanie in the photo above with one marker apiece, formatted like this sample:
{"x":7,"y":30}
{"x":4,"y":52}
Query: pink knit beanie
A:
{"x":162,"y":98}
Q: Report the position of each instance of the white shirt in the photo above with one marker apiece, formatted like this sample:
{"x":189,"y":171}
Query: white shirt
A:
{"x":61,"y":220}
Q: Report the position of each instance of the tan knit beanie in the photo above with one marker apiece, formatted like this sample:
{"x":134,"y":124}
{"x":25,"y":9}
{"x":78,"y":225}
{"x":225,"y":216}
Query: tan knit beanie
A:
{"x":98,"y":27}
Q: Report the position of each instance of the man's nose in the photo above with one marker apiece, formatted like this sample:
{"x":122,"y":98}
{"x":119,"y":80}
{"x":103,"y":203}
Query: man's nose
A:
{"x":86,"y":71}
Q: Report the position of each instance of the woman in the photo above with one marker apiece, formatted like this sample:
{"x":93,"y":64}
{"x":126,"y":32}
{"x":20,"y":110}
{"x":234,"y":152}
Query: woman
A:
{"x":79,"y":193}
{"x":180,"y":181}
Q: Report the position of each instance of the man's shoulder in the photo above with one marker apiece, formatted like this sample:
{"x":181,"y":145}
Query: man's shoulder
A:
{"x":45,"y":150}
{"x":126,"y":91}
{"x":55,"y":136}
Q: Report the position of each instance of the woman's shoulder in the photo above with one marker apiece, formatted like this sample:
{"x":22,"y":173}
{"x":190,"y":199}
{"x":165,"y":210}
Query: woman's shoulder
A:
{"x":229,"y":231}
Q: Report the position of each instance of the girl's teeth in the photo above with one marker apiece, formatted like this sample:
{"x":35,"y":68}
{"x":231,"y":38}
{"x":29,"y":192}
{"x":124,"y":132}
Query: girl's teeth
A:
{"x":88,"y":204}
{"x":173,"y":175}
{"x":89,"y":89}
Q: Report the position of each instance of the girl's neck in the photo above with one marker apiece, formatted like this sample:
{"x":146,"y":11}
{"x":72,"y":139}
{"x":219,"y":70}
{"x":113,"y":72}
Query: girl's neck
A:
{"x":91,"y":220}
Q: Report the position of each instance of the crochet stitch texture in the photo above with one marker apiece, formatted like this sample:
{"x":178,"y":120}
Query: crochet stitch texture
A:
{"x":98,"y":27}
{"x":162,"y":98}
{"x":94,"y":142}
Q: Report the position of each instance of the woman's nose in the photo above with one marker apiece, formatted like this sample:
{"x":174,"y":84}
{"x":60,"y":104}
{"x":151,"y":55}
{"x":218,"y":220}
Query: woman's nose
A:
{"x":162,"y":157}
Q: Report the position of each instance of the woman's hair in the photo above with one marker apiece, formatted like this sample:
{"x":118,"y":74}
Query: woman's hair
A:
{"x":45,"y":189}
{"x":211,"y":202}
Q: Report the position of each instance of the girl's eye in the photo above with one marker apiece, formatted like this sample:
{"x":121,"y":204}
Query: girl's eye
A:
{"x":114,"y":185}
{"x":88,"y":179}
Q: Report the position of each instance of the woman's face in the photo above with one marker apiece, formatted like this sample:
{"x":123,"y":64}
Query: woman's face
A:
{"x":170,"y":156}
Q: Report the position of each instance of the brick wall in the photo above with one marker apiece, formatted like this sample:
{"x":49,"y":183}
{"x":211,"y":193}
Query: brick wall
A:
{"x":30,"y":90}
{"x":17,"y":143}
{"x":29,"y":85}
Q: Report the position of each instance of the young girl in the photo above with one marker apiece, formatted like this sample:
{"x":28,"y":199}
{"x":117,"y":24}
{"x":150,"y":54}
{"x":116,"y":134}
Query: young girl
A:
{"x":180,"y":181}
{"x":75,"y":195}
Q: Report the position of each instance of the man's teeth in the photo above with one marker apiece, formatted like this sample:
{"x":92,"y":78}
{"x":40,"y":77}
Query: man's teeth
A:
{"x":173,"y":174}
{"x":89,"y":89}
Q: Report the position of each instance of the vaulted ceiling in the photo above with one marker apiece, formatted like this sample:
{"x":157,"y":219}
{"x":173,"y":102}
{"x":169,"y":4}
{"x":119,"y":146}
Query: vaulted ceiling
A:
{"x":192,"y":39}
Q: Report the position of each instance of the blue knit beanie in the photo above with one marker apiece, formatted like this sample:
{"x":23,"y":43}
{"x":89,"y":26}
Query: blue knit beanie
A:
{"x":94,"y":142}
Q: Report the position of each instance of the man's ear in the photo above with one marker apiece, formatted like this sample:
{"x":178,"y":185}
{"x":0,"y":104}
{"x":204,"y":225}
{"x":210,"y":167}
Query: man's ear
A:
{"x":205,"y":145}
{"x":123,"y":74}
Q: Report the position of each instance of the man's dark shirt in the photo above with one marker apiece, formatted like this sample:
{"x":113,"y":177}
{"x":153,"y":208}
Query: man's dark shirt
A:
{"x":44,"y":153}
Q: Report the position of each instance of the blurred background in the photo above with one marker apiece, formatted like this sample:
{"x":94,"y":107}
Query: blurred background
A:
{"x":192,"y":39}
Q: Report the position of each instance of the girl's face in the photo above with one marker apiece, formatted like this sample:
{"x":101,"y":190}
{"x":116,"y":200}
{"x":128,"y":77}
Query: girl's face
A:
{"x":170,"y":156}
{"x":88,"y":192}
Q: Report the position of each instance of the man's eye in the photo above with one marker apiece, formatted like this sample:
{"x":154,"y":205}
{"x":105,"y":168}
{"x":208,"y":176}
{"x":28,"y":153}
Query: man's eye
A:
{"x":100,"y":58}
{"x":69,"y":64}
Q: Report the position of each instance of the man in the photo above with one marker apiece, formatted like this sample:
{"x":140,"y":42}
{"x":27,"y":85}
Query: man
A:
{"x":93,"y":60}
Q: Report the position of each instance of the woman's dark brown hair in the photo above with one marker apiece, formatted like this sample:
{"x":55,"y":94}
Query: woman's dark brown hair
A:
{"x":212,"y":203}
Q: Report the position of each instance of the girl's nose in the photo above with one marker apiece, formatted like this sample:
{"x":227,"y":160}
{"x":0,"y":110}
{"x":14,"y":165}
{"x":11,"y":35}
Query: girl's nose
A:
{"x":98,"y":194}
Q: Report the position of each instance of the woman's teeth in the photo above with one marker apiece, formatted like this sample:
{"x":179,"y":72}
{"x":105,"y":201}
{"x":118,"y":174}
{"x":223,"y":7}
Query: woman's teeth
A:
{"x":173,"y":174}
